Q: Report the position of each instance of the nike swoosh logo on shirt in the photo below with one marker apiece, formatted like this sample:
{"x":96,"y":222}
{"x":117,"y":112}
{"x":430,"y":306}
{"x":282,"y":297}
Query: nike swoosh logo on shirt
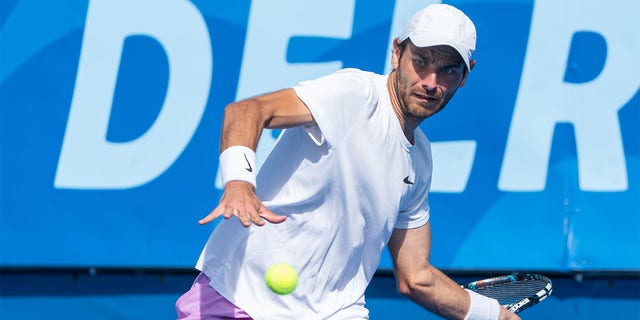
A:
{"x":248,"y":168}
{"x":407,"y":181}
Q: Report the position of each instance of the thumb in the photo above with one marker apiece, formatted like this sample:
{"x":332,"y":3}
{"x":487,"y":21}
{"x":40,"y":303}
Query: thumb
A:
{"x":270,"y":216}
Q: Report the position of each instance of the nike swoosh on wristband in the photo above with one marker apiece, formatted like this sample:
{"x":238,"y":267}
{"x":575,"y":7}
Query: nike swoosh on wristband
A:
{"x":248,"y":164}
{"x":407,"y":181}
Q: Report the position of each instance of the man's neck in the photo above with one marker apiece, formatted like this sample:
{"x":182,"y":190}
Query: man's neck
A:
{"x":407,"y":123}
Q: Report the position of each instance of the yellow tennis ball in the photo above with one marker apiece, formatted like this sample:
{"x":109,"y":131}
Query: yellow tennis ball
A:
{"x":281,"y":278}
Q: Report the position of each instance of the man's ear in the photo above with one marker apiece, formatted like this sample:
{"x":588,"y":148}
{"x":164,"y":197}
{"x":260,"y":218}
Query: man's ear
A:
{"x":395,"y":56}
{"x":472,"y":63}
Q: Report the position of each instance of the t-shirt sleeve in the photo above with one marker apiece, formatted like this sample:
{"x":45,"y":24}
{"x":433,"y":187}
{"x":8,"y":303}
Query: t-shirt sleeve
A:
{"x":416,"y":212}
{"x":414,"y":218}
{"x":336,"y":101}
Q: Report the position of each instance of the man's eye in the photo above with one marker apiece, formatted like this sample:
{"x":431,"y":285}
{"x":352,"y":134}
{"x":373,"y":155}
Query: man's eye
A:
{"x":448,"y":70}
{"x":420,"y":62}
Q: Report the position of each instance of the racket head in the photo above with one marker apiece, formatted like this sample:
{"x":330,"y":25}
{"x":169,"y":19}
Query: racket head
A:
{"x":516,"y":292}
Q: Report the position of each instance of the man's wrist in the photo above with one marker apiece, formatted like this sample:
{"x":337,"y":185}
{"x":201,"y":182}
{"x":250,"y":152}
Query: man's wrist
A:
{"x":482,"y":308}
{"x":238,"y":163}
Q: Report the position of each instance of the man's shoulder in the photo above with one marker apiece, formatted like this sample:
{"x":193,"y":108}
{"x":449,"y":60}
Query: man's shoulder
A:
{"x":347,"y":76}
{"x":359,"y":73}
{"x":367,"y":80}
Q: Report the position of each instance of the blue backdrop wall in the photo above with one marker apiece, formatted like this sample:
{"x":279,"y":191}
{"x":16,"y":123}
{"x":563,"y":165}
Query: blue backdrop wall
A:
{"x":111,"y":112}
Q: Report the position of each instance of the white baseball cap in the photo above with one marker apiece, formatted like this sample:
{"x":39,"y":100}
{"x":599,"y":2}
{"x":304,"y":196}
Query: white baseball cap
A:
{"x":442,"y":24}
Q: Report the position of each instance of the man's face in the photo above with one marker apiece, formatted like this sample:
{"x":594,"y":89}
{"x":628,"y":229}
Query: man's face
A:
{"x":427,"y":78}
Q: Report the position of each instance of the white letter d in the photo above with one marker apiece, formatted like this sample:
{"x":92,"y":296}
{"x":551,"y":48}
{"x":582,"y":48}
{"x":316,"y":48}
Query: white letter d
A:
{"x":87,"y":159}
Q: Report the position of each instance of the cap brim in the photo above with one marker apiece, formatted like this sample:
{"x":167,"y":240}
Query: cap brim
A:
{"x":430,"y":39}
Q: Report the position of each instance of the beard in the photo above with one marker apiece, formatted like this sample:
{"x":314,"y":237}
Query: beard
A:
{"x":415,"y":101}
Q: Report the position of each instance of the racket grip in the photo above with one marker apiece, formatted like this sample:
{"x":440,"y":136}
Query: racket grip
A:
{"x":482,"y":308}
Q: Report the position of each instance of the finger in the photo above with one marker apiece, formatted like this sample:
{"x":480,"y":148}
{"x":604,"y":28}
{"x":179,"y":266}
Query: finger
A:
{"x":244,"y":219}
{"x":230,"y":212}
{"x":256,"y":219}
{"x":243,"y":216}
{"x":270,"y":216}
{"x":210,"y":217}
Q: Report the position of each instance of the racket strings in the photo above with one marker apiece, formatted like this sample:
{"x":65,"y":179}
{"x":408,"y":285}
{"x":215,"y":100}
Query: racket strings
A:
{"x":512,"y":292}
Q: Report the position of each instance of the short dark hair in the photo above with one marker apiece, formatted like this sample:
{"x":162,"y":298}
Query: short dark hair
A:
{"x":403,"y":45}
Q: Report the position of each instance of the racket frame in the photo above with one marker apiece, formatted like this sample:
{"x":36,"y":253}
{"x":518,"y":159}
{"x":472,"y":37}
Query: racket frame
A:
{"x":523,"y":303}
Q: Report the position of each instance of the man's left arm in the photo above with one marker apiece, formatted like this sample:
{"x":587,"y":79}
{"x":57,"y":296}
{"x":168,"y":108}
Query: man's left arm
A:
{"x":417,"y":279}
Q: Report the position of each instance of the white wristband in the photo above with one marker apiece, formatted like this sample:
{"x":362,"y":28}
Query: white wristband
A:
{"x":238,"y":163}
{"x":482,"y":308}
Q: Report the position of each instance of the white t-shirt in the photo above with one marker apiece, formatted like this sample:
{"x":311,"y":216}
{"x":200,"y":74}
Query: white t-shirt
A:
{"x":344,"y":184}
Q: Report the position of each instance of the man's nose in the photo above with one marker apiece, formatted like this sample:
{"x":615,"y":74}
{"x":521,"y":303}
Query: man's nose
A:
{"x":430,"y":81}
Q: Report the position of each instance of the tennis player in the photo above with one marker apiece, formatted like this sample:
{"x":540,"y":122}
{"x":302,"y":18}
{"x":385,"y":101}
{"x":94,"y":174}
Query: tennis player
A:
{"x":349,"y":174}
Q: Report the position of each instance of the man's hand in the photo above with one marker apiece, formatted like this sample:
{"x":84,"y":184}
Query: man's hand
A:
{"x":239,"y":199}
{"x":507,"y":315}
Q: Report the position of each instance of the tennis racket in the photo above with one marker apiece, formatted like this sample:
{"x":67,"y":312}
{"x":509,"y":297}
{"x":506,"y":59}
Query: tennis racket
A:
{"x":515,"y":292}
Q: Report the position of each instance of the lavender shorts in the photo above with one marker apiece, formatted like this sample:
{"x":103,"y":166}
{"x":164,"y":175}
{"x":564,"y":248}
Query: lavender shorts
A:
{"x":204,"y":302}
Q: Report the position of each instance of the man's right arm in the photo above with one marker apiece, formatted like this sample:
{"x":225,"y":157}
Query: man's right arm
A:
{"x":242,"y":125}
{"x":244,"y":120}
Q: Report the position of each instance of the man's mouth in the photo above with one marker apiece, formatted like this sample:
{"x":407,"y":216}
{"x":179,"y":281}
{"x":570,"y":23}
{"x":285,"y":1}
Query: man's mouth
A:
{"x":426,"y":98}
